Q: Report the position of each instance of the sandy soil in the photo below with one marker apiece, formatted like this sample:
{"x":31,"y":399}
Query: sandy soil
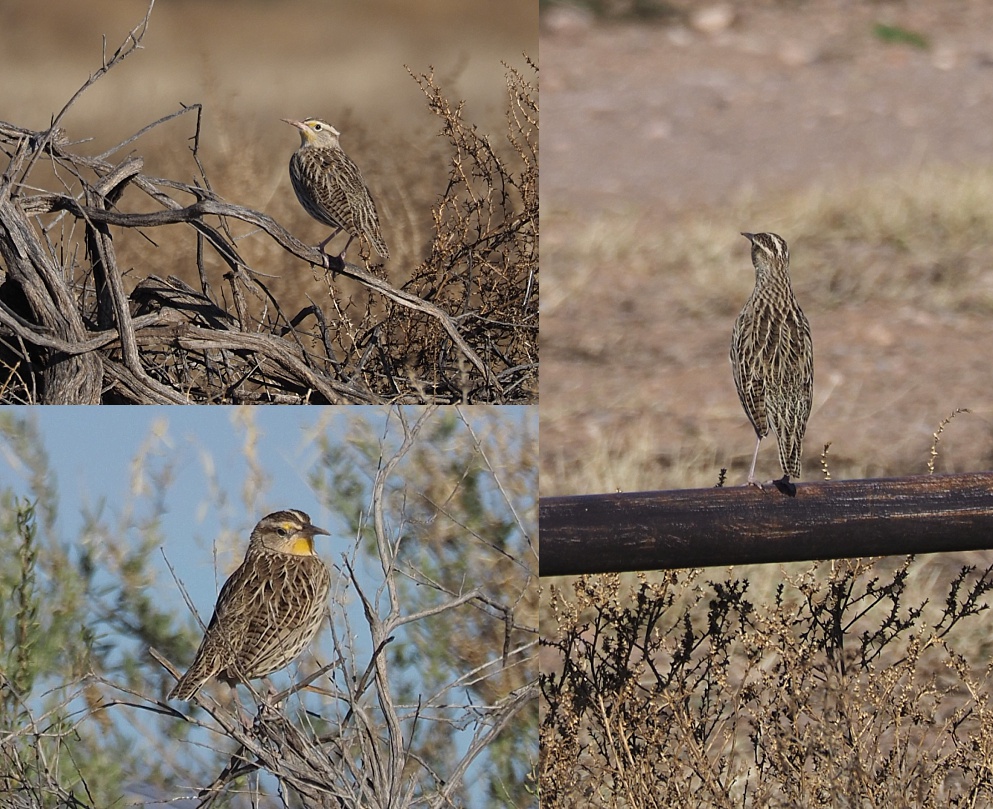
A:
{"x":677,"y":119}
{"x":668,"y":123}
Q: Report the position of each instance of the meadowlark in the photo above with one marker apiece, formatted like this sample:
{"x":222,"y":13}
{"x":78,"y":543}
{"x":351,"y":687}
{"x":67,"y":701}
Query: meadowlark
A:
{"x":772,"y":358}
{"x":330,"y":186}
{"x":270,"y":608}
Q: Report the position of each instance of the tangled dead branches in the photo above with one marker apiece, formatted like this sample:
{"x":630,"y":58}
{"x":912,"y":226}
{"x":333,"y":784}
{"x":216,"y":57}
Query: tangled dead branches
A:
{"x":463,"y":328}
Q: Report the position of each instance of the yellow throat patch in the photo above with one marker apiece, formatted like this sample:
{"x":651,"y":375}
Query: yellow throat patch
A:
{"x":304,"y":546}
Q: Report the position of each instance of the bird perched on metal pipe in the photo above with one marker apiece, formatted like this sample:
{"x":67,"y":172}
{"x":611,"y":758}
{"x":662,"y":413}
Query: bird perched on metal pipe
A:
{"x":772,"y":358}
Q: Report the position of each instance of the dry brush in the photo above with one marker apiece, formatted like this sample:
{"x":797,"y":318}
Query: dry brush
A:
{"x":462,"y":328}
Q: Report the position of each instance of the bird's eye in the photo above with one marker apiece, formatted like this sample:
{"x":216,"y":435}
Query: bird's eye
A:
{"x":282,"y":532}
{"x":318,"y":127}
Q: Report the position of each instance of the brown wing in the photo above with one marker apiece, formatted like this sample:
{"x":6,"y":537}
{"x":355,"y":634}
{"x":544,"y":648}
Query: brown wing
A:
{"x":225,"y":633}
{"x":748,"y":367}
{"x":345,"y":194}
{"x":789,"y":408}
{"x":284,"y":615}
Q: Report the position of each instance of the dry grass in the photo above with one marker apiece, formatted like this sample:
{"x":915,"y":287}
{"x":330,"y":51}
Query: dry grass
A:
{"x":910,"y":237}
{"x":840,"y":687}
{"x":757,"y":686}
{"x":456,"y":321}
{"x":452,"y":318}
{"x":764,"y":686}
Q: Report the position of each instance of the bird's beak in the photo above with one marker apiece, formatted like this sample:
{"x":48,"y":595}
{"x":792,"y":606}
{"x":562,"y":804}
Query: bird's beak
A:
{"x":291,"y":122}
{"x":313,"y":530}
{"x":749,"y":236}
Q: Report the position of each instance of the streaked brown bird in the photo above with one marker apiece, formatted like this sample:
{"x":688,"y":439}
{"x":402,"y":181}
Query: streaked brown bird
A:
{"x":772,"y":358}
{"x":330,"y":186}
{"x":268,"y":611}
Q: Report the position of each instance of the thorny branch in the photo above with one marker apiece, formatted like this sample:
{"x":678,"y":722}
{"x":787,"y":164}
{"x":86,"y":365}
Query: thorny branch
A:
{"x":358,"y":747}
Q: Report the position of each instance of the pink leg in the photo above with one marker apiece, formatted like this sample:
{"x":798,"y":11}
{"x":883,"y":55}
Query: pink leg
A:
{"x":341,"y":255}
{"x":329,"y":238}
{"x":751,"y":472}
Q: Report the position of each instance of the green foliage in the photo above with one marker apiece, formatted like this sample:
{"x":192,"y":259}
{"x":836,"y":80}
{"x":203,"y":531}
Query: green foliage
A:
{"x":25,"y":603}
{"x":895,"y":35}
{"x":461,"y":528}
{"x":55,"y":633}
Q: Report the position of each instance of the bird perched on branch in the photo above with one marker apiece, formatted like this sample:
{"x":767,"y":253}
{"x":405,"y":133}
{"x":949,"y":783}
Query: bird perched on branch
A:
{"x":330,"y":186}
{"x":772,"y":358}
{"x":270,"y":608}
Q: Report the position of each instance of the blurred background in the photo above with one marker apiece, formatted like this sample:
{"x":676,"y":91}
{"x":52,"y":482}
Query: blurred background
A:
{"x":258,"y":61}
{"x":858,"y":132}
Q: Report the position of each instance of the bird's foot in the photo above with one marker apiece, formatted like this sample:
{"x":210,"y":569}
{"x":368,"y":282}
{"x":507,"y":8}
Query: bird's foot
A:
{"x":334,"y":264}
{"x":246,"y":719}
{"x":784,"y":485}
{"x":270,"y":694}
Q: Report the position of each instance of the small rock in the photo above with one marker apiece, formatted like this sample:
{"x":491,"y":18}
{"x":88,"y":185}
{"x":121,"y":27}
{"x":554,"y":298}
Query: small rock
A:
{"x":944,"y":57}
{"x":679,"y":36}
{"x":567,"y":20}
{"x":713,"y":19}
{"x":658,"y":129}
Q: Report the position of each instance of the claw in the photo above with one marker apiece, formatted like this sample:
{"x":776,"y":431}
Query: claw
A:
{"x":784,"y":485}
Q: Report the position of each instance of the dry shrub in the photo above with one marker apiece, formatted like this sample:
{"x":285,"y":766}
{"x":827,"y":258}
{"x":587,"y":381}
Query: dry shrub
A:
{"x":462,"y":328}
{"x":862,"y":686}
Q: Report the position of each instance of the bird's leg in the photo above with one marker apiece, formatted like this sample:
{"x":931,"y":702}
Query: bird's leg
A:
{"x":341,"y":255}
{"x":329,"y":238}
{"x":783,"y":484}
{"x":243,"y":715}
{"x":270,"y":693}
{"x":332,"y":262}
{"x":751,"y":472}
